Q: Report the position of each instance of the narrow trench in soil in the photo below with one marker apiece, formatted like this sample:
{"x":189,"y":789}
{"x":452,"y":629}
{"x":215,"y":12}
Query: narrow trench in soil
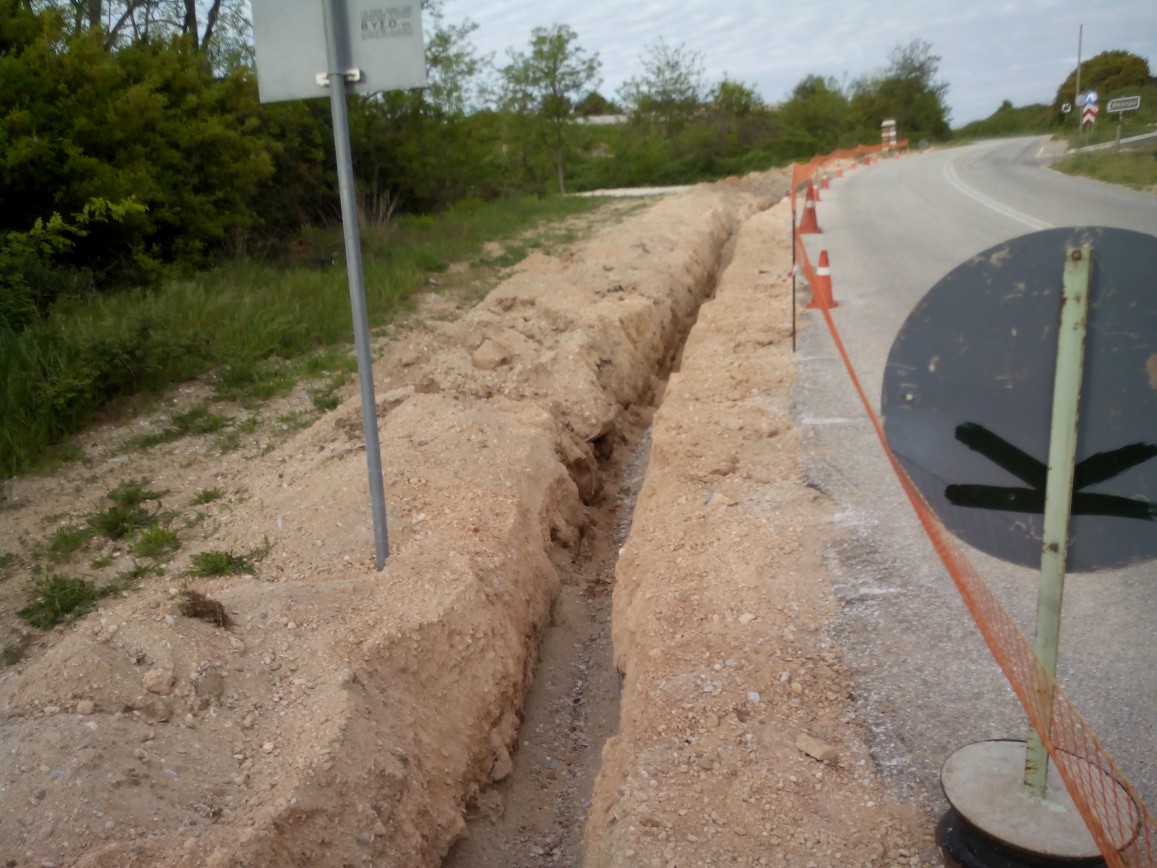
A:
{"x":536,"y":816}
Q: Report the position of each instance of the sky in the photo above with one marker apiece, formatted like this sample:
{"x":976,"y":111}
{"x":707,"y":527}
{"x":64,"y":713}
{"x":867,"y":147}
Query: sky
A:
{"x":1019,"y":50}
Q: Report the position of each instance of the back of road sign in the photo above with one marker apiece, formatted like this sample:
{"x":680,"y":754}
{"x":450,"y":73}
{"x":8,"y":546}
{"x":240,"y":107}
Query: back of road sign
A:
{"x":384,"y":42}
{"x":967,"y":398}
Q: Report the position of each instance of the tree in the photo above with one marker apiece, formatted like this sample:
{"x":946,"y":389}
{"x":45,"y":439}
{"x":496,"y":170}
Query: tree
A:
{"x":907,"y":92}
{"x":735,"y":99}
{"x":126,"y":21}
{"x":594,"y":103}
{"x":816,"y":118}
{"x":82,"y":125}
{"x":543,"y":86}
{"x":1108,"y":73}
{"x":671,"y":88}
{"x":454,"y":70}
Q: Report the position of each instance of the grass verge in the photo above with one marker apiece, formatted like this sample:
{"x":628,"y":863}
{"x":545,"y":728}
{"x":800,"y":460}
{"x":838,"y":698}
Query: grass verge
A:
{"x":260,"y":326}
{"x":1136,"y":168}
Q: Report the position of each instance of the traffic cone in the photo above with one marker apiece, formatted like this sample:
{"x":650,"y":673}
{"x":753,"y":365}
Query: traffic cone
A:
{"x":824,"y":182}
{"x":853,"y":165}
{"x":822,"y":291}
{"x":839,"y":171}
{"x":807,"y":223}
{"x":815,"y":190}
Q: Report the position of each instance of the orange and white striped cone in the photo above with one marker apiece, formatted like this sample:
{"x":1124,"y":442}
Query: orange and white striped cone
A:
{"x":853,"y":165}
{"x":807,"y":223}
{"x":822,"y":291}
{"x":839,"y":171}
{"x":824,"y":183}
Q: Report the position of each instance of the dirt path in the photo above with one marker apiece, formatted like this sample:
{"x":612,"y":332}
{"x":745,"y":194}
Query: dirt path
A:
{"x":347,"y":717}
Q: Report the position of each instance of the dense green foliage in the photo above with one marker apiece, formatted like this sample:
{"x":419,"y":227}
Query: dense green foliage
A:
{"x":247,"y":320}
{"x":115,"y":166}
{"x":158,"y":222}
{"x":1109,"y":73}
{"x":817,"y":119}
{"x":907,"y":92}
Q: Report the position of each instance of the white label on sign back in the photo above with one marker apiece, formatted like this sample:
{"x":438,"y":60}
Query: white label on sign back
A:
{"x":387,"y":23}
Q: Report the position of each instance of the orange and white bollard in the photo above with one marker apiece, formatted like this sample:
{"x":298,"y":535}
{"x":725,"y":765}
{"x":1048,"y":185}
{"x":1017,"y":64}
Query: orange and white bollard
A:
{"x":808,"y":224}
{"x":822,"y":291}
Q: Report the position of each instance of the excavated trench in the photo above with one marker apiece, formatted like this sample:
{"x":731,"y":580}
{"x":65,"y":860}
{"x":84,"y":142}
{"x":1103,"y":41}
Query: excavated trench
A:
{"x":353,"y":717}
{"x":536,"y":816}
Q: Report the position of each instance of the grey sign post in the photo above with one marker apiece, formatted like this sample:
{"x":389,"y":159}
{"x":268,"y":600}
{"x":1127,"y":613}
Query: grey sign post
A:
{"x":367,"y":47}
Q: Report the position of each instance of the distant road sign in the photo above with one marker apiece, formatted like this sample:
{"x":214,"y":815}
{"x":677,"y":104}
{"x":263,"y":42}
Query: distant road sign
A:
{"x":1089,"y":115}
{"x":1124,"y":104}
{"x":1066,"y":108}
{"x":1091,"y":98}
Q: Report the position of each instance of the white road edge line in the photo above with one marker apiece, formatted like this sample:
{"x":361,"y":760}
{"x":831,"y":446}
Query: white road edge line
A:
{"x":1011,"y":213}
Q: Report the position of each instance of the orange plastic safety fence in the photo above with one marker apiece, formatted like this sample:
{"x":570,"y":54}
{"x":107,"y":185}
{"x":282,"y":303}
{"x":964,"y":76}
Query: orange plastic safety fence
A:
{"x":1117,"y":818}
{"x":802,"y":173}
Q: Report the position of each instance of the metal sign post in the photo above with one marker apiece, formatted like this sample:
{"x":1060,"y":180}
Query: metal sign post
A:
{"x":1059,"y":492}
{"x":338,"y":74}
{"x":387,"y":54}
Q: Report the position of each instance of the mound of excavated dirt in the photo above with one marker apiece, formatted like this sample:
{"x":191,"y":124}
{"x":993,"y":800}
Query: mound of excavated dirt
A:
{"x":738,"y":741}
{"x":345,"y":716}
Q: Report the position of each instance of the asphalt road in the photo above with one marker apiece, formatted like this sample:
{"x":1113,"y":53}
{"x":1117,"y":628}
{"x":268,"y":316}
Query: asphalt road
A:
{"x":927,"y":684}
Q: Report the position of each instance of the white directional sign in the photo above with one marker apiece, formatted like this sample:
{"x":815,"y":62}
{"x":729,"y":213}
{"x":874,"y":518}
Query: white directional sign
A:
{"x":1124,"y":104}
{"x":382,"y":40}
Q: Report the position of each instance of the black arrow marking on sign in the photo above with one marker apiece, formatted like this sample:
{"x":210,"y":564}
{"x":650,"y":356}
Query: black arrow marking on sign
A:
{"x":1096,"y":468}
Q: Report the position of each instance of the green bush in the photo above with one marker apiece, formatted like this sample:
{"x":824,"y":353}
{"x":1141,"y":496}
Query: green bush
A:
{"x":57,"y":599}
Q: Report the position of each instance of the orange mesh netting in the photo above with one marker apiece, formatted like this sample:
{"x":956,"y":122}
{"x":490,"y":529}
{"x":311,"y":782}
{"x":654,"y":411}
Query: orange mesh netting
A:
{"x":1112,"y":811}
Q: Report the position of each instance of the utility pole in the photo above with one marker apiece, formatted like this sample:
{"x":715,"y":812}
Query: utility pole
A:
{"x":1077,"y":107}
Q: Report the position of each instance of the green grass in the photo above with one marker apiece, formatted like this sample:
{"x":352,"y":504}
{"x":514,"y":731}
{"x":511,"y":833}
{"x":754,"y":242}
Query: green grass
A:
{"x":261,"y":327}
{"x":1135,"y":168}
{"x":127,"y":513}
{"x":324,"y":401}
{"x":198,"y":419}
{"x":57,"y":599}
{"x":207,"y":495}
{"x":128,"y":579}
{"x":155,"y":542}
{"x":13,"y":652}
{"x":219,"y":563}
{"x":66,"y":541}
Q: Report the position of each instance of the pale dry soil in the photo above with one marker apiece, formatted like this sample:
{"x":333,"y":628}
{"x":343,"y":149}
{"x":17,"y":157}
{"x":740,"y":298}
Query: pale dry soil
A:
{"x":602,"y":636}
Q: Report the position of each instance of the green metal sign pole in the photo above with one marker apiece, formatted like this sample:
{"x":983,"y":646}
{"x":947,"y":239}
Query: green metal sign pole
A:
{"x":1059,"y":494}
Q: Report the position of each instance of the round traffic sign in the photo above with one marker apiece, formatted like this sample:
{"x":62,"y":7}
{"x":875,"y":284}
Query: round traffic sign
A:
{"x":967,"y":398}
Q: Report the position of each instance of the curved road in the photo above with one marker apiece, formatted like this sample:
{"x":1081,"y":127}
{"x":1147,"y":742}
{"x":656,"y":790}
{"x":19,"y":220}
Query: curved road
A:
{"x":927,"y":684}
